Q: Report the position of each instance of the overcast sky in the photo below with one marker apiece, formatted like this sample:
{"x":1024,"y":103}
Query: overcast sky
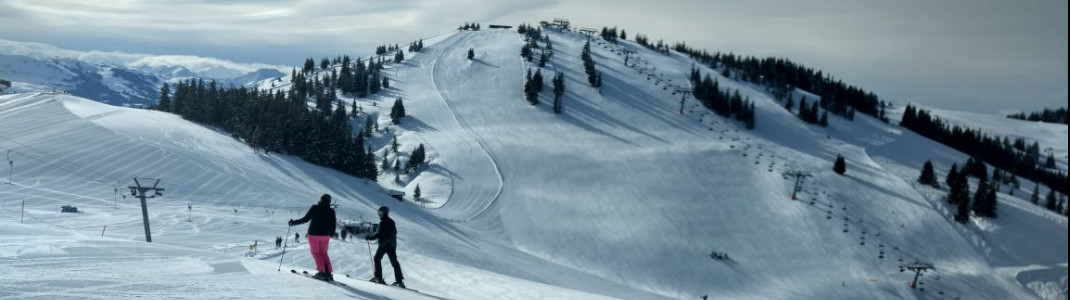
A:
{"x":976,"y":55}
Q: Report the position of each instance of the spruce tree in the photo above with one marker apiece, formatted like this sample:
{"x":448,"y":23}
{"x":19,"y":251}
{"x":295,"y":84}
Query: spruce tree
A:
{"x":416,"y":193}
{"x":559,"y":91}
{"x":952,"y":176}
{"x":928,"y":175}
{"x":1051,"y":200}
{"x":1035,"y":198}
{"x":981,"y":197}
{"x":397,"y":111}
{"x":165,"y":98}
{"x":962,"y":211}
{"x":416,"y":159}
{"x":840,"y":166}
{"x":471,"y":54}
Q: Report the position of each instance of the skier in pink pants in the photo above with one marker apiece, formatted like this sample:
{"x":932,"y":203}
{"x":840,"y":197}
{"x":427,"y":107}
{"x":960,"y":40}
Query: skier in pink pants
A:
{"x":322,"y":225}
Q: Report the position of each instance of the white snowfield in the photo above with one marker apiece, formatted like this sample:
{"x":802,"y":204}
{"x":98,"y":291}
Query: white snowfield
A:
{"x":620,"y":197}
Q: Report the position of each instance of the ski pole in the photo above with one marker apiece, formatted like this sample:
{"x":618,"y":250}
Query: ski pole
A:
{"x":370,"y":258}
{"x":284,"y":248}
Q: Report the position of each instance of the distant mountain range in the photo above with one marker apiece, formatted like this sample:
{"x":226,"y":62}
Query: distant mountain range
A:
{"x":114,"y":77}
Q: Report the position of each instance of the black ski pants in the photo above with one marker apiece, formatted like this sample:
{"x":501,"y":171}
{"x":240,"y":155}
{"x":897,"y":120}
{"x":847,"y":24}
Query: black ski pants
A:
{"x":390,"y":252}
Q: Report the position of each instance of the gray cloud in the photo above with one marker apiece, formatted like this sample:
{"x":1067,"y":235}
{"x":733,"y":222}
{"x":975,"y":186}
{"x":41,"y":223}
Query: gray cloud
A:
{"x":984,"y":55}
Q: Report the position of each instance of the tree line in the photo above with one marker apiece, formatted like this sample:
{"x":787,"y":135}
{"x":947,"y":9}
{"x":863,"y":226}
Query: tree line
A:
{"x":781,"y":76}
{"x":275,"y":121}
{"x":1018,"y":158}
{"x":1047,"y":115}
{"x":729,"y":105}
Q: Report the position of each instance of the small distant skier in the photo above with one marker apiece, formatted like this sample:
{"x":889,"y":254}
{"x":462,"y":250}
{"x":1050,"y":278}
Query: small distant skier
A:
{"x":297,"y":238}
{"x":278,"y":242}
{"x":320,"y":229}
{"x":388,"y":244}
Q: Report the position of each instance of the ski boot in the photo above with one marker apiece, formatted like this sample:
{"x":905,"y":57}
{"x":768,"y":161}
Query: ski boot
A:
{"x":377,"y":280}
{"x":399,"y":284}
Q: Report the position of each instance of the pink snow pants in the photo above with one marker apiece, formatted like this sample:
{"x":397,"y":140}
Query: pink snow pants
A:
{"x":318,"y":245}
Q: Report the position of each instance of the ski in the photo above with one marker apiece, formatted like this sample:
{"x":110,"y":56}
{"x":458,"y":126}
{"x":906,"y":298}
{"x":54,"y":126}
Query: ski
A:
{"x":309,"y":276}
{"x":384,"y":284}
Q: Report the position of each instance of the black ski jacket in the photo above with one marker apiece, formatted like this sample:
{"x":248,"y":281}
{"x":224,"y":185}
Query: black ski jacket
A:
{"x":323,"y":220}
{"x":387,"y":235}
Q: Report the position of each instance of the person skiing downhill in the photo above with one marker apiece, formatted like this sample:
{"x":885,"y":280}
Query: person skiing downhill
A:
{"x":387,"y":236}
{"x":322,"y":225}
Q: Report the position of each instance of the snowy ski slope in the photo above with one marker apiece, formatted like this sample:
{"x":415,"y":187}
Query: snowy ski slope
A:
{"x":619,"y":197}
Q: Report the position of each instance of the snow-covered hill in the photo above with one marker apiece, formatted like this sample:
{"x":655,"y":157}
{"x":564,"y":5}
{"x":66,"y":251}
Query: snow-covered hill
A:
{"x":619,"y":197}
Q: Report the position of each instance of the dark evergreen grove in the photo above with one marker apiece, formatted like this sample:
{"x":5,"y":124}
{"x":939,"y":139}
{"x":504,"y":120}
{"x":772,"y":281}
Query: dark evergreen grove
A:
{"x":1047,"y":115}
{"x":532,"y":86}
{"x":593,"y":76}
{"x":279,"y":121}
{"x":1018,"y":158}
{"x":781,"y":76}
{"x":729,"y":105}
{"x":959,"y":194}
{"x":559,"y":91}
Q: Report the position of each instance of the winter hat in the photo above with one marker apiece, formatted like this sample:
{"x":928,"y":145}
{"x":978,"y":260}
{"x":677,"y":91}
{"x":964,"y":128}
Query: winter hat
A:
{"x":325,"y":199}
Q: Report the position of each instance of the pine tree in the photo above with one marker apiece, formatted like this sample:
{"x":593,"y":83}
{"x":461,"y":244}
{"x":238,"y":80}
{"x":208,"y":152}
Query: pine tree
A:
{"x":309,"y":66}
{"x":952,"y":176}
{"x":962,"y":211}
{"x":824,"y":122}
{"x":416,"y":159}
{"x":1051,"y":200}
{"x":532,"y":87}
{"x":840,"y":166}
{"x":399,"y":56}
{"x":538,"y":80}
{"x":471,"y":54}
{"x":165,"y":98}
{"x":1035,"y":198}
{"x":416,"y":193}
{"x":928,"y":175}
{"x":559,"y":91}
{"x":397,"y":111}
{"x":525,"y":52}
{"x":980,"y":197}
